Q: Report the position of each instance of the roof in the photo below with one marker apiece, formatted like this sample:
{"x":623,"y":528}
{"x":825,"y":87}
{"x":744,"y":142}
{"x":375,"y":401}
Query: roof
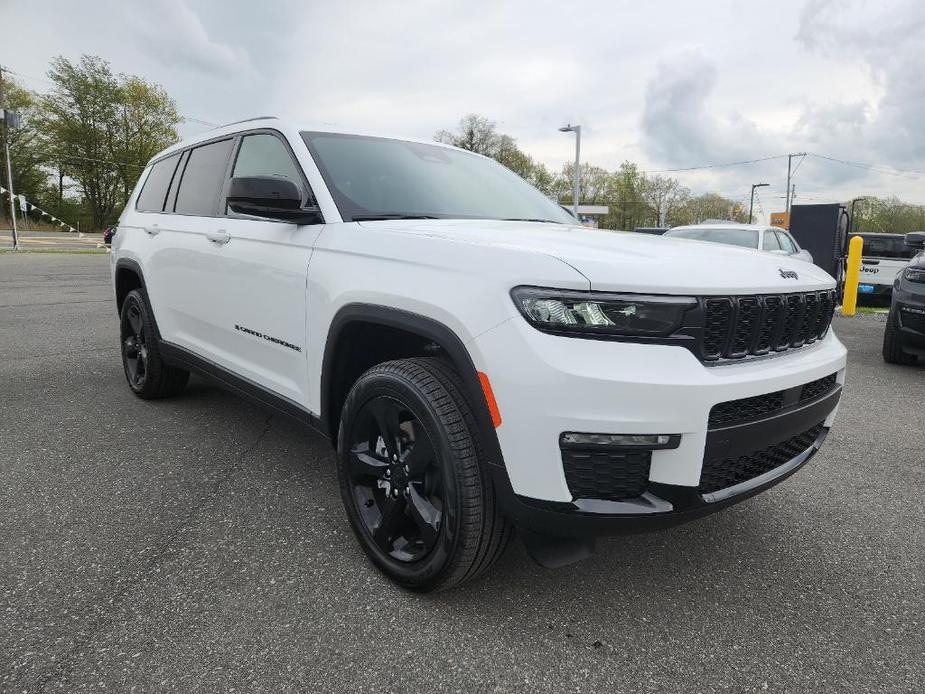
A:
{"x":292,"y":128}
{"x":730,"y":225}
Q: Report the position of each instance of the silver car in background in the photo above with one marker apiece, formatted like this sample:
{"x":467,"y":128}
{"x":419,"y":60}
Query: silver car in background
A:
{"x":755,"y":236}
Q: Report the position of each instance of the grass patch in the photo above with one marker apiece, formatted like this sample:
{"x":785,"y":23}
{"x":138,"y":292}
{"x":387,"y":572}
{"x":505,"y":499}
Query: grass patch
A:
{"x":872,"y":309}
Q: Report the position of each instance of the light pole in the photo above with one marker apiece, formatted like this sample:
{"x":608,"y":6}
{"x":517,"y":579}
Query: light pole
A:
{"x":751,"y":203}
{"x":576,"y":187}
{"x":851,"y":218}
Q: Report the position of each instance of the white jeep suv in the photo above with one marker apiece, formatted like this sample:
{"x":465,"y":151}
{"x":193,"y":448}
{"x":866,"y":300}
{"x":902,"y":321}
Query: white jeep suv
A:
{"x":480,"y":361}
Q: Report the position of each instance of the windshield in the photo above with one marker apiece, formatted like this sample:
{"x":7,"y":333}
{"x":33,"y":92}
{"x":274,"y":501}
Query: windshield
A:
{"x":885,"y":246}
{"x":731,"y":236}
{"x":380,"y":178}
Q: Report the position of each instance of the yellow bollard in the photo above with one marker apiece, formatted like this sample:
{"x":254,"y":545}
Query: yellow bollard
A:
{"x":852,"y":276}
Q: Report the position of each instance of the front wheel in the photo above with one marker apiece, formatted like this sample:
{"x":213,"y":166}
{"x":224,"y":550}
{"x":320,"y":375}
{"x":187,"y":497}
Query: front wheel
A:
{"x":408,"y":463}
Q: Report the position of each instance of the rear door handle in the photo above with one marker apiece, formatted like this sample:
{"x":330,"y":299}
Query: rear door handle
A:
{"x":220,"y":237}
{"x":870,"y":262}
{"x":153,"y":230}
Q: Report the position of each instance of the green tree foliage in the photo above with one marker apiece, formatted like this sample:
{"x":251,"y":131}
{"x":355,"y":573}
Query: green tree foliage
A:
{"x":26,"y":152}
{"x":100,"y":130}
{"x":634,"y":200}
{"x":480,"y":135}
{"x":887,"y":215}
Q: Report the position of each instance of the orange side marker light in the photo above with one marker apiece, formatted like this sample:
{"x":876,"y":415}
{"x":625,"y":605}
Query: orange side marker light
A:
{"x":490,"y":400}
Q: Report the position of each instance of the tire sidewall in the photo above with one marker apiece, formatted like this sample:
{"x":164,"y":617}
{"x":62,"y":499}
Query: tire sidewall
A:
{"x":440,"y":558}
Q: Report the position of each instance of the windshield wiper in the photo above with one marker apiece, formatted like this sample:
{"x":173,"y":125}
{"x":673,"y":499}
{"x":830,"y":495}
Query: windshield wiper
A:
{"x":528,"y":219}
{"x":377,"y":217}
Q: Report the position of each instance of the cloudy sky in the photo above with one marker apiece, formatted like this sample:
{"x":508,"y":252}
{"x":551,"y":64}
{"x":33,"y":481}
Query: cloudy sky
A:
{"x":666,"y":84}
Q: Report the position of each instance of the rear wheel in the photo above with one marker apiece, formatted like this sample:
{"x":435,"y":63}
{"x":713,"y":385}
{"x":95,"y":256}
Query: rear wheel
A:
{"x":147,"y":375}
{"x":410,"y":477}
{"x":892,"y":345}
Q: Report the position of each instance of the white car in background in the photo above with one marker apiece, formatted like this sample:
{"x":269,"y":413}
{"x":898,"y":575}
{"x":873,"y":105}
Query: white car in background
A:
{"x":760,"y":238}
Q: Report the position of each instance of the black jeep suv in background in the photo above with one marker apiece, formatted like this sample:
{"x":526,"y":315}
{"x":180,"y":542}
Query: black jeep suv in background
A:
{"x":904,"y":337}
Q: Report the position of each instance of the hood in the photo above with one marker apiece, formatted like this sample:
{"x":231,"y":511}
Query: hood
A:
{"x":626,"y":261}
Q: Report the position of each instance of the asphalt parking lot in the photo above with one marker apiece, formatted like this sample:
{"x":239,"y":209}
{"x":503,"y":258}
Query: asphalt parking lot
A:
{"x":199,"y":544}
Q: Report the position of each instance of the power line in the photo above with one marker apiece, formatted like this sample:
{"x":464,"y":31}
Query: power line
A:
{"x":717,"y":166}
{"x":100,"y":161}
{"x":879,"y":168}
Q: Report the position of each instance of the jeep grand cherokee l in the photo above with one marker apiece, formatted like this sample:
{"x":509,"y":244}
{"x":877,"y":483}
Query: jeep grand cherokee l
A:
{"x":481,"y":362}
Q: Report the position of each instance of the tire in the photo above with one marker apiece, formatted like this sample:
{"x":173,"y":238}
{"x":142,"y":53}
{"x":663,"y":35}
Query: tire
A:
{"x":435,"y":523}
{"x":147,"y":374}
{"x":892,"y":345}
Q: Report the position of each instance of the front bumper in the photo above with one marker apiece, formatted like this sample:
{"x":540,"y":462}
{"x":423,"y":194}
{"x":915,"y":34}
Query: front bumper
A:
{"x":546,"y":385}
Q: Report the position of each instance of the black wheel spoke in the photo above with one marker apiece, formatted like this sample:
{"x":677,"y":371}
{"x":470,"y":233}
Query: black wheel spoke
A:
{"x":419,"y":456}
{"x":392,"y":466}
{"x":134,"y":321}
{"x":386,"y":416}
{"x":130,"y":349}
{"x":425,"y":516}
{"x":393,"y":514}
{"x":365,"y":464}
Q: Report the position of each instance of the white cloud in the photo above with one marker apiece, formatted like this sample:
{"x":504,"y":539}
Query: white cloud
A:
{"x":665,"y":84}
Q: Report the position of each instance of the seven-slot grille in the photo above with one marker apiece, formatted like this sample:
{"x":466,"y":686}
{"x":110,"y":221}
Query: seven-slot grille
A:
{"x":738,"y":326}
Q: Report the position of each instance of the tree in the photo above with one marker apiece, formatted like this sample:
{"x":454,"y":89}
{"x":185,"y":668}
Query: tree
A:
{"x":709,"y":206}
{"x":664,"y":196}
{"x":146,"y":119}
{"x":102,"y":130}
{"x":477,"y":134}
{"x":26,"y":153}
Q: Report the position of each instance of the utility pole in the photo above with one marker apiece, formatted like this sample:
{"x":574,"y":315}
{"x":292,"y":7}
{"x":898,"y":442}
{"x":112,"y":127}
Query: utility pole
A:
{"x":751,"y":204}
{"x":9,"y":170}
{"x":576,"y":189}
{"x":789,"y":160}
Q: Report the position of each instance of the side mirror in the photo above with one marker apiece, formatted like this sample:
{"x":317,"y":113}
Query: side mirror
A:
{"x":271,"y":197}
{"x":916,"y":239}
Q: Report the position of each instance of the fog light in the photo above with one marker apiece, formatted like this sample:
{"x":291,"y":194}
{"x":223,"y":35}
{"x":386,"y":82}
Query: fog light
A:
{"x":571,"y":439}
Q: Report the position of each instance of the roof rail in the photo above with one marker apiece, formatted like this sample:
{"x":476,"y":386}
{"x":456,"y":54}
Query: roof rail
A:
{"x":245,"y":120}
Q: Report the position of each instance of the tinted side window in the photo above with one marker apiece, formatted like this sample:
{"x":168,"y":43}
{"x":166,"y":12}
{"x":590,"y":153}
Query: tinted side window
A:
{"x":203,"y":178}
{"x":152,"y":195}
{"x":787,"y":243}
{"x":770,"y":242}
{"x":265,"y":155}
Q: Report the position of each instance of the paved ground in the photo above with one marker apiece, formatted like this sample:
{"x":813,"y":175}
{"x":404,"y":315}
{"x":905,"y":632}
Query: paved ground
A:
{"x":199,"y":545}
{"x":50,"y":240}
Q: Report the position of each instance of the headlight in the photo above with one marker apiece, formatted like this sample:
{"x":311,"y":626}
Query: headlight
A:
{"x":563,"y":311}
{"x":914,"y":274}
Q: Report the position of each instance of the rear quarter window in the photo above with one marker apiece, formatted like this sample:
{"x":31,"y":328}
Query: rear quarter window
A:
{"x":154,"y":192}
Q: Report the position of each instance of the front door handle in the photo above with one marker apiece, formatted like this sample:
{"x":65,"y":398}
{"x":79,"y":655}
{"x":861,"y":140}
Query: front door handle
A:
{"x":153,"y":230}
{"x":220,"y":237}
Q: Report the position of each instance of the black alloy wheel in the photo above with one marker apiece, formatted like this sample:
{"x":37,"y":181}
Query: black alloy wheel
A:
{"x":416,"y":493}
{"x":134,"y":349}
{"x":395,"y":480}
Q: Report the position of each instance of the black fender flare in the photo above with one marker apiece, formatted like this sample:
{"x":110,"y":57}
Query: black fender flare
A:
{"x":135,"y":267}
{"x":429,"y":329}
